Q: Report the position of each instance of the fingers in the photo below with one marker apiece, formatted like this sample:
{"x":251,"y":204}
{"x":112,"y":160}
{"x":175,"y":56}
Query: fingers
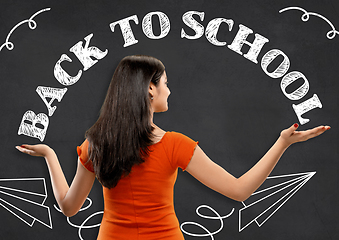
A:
{"x":40,"y":150}
{"x":317,"y":130}
{"x":25,"y":149}
{"x":26,"y":146}
{"x":289,"y":131}
{"x":290,"y":135}
{"x":294,"y":127}
{"x":311,"y":133}
{"x":21,"y":148}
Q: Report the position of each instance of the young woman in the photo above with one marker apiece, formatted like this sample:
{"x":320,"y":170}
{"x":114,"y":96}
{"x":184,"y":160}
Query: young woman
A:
{"x":137,"y":162}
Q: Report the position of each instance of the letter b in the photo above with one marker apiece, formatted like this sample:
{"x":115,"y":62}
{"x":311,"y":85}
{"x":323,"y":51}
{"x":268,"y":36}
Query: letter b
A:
{"x":34,"y":125}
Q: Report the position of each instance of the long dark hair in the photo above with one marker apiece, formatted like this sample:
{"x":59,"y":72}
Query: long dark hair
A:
{"x":122,"y":134}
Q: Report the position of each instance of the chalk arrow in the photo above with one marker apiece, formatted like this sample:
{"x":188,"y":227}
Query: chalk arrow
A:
{"x":265,"y":202}
{"x":25,"y":199}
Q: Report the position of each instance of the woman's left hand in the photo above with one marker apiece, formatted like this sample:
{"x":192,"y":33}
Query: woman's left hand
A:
{"x":291,"y":135}
{"x":39,"y":150}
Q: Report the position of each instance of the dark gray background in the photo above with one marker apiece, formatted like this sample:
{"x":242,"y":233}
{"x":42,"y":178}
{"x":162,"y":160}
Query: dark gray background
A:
{"x":219,"y":98}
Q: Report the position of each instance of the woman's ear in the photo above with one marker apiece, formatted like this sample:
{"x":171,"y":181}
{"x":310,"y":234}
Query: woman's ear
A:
{"x":151,"y":90}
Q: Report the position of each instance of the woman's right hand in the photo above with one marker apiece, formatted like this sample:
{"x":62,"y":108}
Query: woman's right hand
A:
{"x":39,"y":150}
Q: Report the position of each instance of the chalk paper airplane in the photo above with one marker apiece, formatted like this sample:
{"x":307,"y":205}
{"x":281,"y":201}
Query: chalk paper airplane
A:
{"x":25,"y":198}
{"x":275,"y":191}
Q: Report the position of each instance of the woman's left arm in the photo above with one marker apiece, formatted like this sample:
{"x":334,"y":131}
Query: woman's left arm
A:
{"x":218,"y":179}
{"x":70,"y":199}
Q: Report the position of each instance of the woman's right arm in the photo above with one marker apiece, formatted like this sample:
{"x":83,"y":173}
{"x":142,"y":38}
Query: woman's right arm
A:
{"x":215,"y":177}
{"x":69,"y":198}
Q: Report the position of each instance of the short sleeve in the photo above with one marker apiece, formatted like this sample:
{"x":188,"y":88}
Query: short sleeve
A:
{"x":182,"y":149}
{"x":83,"y":156}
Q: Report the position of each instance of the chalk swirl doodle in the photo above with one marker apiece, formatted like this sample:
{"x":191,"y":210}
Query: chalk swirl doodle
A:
{"x":208,"y":233}
{"x":82,"y":225}
{"x":31,"y":23}
{"x":306,"y":16}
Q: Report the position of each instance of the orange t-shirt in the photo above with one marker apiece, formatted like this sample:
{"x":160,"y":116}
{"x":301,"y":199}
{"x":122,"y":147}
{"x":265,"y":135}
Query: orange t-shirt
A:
{"x":141,"y":205}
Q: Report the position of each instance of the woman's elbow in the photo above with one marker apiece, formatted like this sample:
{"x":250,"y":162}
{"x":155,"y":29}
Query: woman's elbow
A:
{"x":69,"y":211}
{"x":242,"y":197}
{"x":239,"y":193}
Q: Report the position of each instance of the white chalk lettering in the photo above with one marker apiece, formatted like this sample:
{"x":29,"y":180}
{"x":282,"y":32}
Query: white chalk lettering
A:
{"x":34,"y":125}
{"x":126,"y":29}
{"x":61,"y":75}
{"x":188,"y":19}
{"x":213,"y":27}
{"x":290,"y":78}
{"x":85,"y":54}
{"x":164,"y":25}
{"x":306,"y":106}
{"x":255,"y":47}
{"x":281,"y":69}
{"x":52,"y":93}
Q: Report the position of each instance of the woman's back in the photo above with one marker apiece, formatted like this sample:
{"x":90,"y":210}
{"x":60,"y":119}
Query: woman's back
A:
{"x":141,"y":205}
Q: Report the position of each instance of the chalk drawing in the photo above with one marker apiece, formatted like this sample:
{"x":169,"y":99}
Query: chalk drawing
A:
{"x":52,"y":94}
{"x":31,"y":23}
{"x":25,"y":198}
{"x":34,"y":125}
{"x":82,"y":225}
{"x":147,"y":27}
{"x":208,"y":233}
{"x":265,"y":202}
{"x":306,"y":16}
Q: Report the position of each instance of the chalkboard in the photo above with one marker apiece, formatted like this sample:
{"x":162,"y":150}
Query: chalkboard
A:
{"x":239,"y":72}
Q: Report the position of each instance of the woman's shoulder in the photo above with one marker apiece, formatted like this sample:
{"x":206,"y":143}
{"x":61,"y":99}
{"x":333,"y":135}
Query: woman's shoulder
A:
{"x":160,"y":135}
{"x":169,"y":136}
{"x":178,"y":138}
{"x":82,"y":150}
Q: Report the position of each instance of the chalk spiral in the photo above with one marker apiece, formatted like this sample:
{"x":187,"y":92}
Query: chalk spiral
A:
{"x":208,"y":233}
{"x":306,"y":16}
{"x":31,"y":23}
{"x":82,"y":225}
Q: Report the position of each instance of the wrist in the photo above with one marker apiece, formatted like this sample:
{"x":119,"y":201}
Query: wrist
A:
{"x":49,"y":153}
{"x":283,"y":143}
